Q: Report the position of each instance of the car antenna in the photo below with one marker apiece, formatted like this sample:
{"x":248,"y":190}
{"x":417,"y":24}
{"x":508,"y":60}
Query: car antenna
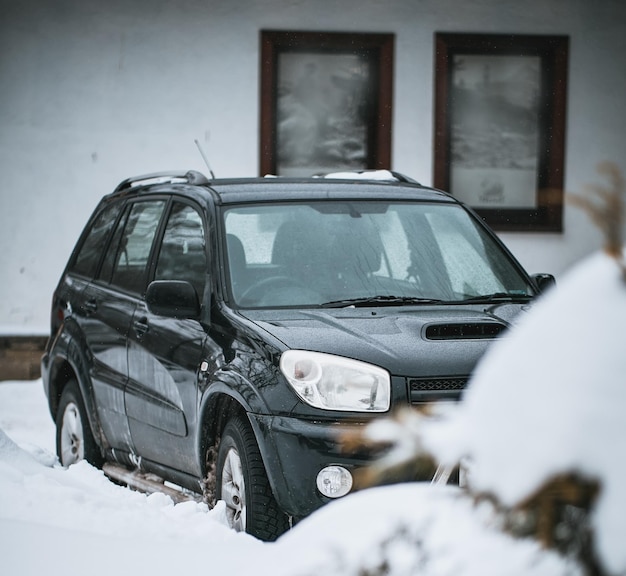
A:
{"x":206,"y":160}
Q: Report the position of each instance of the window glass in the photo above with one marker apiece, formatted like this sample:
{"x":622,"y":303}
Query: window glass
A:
{"x":183,"y":255}
{"x":319,"y":253}
{"x":465,"y":260}
{"x":89,"y":254}
{"x":131,"y":260}
{"x":110,"y":258}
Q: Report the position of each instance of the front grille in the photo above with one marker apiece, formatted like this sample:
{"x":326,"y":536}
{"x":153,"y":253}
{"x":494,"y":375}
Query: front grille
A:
{"x":432,"y":389}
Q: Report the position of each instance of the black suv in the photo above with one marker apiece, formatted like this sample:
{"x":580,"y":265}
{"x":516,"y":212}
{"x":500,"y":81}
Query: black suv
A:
{"x":219,"y":334}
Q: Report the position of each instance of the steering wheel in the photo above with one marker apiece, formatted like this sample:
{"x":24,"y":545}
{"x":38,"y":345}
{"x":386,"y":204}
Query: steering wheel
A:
{"x":255,"y":292}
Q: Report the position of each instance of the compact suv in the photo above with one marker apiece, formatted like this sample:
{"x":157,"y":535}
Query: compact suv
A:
{"x":219,"y":334}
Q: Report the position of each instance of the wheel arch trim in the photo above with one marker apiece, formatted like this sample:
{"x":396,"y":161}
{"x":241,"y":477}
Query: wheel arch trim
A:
{"x":67,"y":361}
{"x":218,"y":406}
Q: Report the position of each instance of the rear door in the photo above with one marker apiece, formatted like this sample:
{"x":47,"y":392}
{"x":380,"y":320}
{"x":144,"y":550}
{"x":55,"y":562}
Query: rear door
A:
{"x":109,"y":304}
{"x":164,"y":354}
{"x":103,"y":324}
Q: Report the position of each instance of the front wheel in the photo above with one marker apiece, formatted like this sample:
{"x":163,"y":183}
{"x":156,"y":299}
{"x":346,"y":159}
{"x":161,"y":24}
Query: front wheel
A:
{"x":243,"y":484}
{"x":74,"y":439}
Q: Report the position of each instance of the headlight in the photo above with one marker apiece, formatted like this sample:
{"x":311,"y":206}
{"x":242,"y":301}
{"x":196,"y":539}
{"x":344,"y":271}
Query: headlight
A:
{"x":335,"y":383}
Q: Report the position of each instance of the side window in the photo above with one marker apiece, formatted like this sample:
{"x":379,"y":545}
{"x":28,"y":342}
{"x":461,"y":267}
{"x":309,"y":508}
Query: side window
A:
{"x":132,"y":253}
{"x":89,"y":253}
{"x":110,"y":258}
{"x":183,"y":253}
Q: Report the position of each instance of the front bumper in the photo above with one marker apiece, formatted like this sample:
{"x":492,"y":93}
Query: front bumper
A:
{"x":294,"y":451}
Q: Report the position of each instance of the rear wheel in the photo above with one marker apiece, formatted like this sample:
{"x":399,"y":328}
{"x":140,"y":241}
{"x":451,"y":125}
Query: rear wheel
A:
{"x":74,"y":439}
{"x":243,"y":484}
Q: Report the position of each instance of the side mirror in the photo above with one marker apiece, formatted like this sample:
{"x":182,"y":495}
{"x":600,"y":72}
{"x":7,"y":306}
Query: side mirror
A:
{"x":173,"y":298}
{"x":544,"y":281}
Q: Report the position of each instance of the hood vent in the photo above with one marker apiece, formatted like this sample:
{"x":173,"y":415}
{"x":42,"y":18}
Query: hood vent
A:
{"x":464,"y":331}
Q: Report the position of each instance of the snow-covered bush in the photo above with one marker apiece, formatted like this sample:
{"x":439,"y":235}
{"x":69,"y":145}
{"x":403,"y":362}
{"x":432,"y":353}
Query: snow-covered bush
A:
{"x":541,"y":427}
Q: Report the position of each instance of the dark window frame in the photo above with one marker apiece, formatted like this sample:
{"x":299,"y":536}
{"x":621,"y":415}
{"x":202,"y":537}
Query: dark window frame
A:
{"x":553,"y":51}
{"x":378,"y":48}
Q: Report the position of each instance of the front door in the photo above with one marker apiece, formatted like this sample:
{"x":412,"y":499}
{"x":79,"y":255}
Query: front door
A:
{"x":164,"y":354}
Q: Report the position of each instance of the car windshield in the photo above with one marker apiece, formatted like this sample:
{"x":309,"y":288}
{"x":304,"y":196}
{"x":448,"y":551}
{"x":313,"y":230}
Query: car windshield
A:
{"x":364,"y":253}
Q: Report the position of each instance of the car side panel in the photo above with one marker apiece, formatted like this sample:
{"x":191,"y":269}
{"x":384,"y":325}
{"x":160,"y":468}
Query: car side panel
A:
{"x":164,"y":357}
{"x":104,"y":317}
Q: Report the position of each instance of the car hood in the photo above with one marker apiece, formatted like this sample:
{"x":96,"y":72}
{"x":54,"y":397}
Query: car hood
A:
{"x":407,"y":341}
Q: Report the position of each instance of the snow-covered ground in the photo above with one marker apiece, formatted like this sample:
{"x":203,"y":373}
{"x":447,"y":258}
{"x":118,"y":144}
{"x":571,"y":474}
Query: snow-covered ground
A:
{"x":549,"y":397}
{"x":75,"y":521}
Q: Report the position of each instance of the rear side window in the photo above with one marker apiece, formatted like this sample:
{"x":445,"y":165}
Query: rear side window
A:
{"x":89,"y":254}
{"x":132,"y":253}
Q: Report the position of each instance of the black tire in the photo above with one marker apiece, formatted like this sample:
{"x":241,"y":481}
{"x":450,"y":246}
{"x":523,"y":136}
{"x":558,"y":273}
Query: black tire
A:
{"x":74,"y":439}
{"x":243,"y":484}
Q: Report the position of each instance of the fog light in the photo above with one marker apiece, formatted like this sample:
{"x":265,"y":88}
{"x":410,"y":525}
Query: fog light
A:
{"x":334,"y":481}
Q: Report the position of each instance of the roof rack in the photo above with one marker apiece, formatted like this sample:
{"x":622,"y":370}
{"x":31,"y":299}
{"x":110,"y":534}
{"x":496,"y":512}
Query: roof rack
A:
{"x":192,"y":177}
{"x":382,"y":175}
{"x":400,"y":177}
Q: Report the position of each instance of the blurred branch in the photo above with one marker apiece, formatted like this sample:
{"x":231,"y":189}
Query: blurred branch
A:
{"x":605,"y":207}
{"x":398,"y":442}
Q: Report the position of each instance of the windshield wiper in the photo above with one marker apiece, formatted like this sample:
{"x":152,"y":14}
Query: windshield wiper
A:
{"x":495,"y":297}
{"x":381,"y":300}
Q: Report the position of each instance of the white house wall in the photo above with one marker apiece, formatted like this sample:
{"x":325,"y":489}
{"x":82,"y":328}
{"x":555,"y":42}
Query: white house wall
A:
{"x":94,"y":91}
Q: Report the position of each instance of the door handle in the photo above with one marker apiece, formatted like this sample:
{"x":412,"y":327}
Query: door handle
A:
{"x":141,"y":326}
{"x":91,"y":306}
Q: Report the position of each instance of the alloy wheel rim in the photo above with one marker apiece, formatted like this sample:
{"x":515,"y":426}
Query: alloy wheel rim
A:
{"x":72,"y":440}
{"x":234,"y":491}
